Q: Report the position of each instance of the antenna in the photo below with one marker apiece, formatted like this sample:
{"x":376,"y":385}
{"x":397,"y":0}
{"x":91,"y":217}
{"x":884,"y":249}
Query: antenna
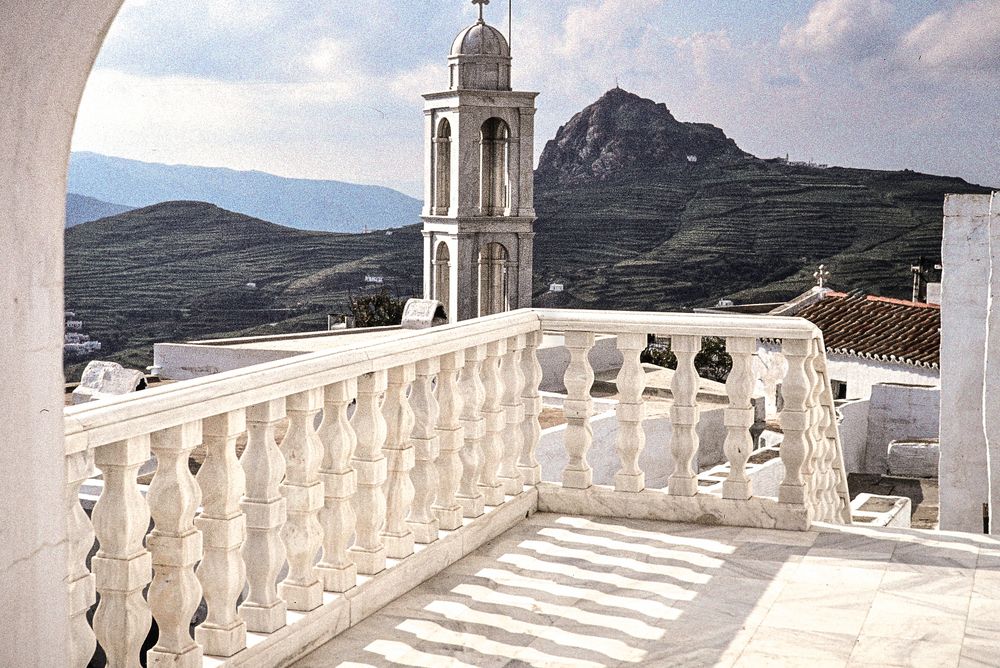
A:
{"x":510,"y":24}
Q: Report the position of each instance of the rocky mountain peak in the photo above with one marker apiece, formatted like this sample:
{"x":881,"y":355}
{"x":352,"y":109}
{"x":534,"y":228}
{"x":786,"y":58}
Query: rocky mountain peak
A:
{"x":622,"y":131}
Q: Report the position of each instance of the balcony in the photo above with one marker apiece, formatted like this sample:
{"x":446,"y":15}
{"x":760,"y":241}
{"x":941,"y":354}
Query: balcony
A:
{"x":412,"y":460}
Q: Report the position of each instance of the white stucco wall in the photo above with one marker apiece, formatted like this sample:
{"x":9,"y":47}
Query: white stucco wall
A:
{"x":862,"y":374}
{"x":47,"y":48}
{"x":854,"y":433}
{"x":964,"y":481}
{"x":898,"y":412}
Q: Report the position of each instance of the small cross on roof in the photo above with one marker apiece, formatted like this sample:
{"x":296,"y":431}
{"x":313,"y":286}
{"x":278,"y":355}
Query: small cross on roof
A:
{"x":481,"y":4}
{"x":822,"y":275}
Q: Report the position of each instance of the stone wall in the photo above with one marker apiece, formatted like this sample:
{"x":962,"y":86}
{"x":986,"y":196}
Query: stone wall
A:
{"x":964,"y":469}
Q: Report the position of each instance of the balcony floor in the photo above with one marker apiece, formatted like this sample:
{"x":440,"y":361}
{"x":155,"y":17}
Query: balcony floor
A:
{"x":568,"y":591}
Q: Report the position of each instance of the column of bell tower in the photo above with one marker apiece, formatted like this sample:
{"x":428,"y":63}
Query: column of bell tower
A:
{"x":478,"y":210}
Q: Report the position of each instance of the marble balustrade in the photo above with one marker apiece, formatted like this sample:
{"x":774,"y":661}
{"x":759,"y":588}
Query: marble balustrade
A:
{"x":297,"y":495}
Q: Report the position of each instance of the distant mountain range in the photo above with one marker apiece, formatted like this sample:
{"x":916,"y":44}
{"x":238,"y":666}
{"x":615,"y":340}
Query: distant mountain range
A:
{"x":637,"y":211}
{"x":330,"y":206}
{"x":82,"y":209}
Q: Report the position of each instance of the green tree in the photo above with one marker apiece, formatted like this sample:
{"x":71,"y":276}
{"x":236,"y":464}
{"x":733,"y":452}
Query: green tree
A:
{"x":380,"y":309}
{"x":713,"y":362}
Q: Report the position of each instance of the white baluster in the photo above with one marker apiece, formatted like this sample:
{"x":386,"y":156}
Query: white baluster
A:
{"x":513,"y":407}
{"x":223,"y":527}
{"x":368,"y":552}
{"x":795,"y":390}
{"x":426,"y":447}
{"x":80,"y":540}
{"x":469,"y":496}
{"x":176,"y":546}
{"x":122,"y":567}
{"x":739,"y":417}
{"x":452,"y":439}
{"x":531,"y":430}
{"x":336,"y":569}
{"x":397,"y":536}
{"x":630,"y":412}
{"x":684,"y":416}
{"x":578,"y":408}
{"x":827,"y":447}
{"x":303,"y":490}
{"x":493,"y":421}
{"x":266,"y":513}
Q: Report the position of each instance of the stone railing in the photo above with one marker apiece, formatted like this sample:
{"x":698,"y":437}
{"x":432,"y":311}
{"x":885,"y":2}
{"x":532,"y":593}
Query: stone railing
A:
{"x":286,"y":545}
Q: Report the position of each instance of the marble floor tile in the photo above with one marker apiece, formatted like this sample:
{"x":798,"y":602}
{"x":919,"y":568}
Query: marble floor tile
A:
{"x":917,"y":617}
{"x":805,"y":646}
{"x":564,"y":591}
{"x":873,"y":650}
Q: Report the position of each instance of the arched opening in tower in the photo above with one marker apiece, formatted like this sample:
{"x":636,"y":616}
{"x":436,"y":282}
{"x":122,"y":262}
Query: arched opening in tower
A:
{"x":493,"y":286}
{"x":442,"y":275}
{"x":442,"y":168}
{"x":494,"y":167}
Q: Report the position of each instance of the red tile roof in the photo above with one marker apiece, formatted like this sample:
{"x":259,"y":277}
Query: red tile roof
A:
{"x":880,"y":328}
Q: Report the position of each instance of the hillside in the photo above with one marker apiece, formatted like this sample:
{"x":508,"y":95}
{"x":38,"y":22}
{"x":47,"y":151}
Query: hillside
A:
{"x":82,"y":209}
{"x":329,"y":206}
{"x":627,"y":221}
{"x":179,"y":270}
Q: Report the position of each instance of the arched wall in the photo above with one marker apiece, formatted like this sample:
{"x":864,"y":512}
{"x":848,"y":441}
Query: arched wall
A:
{"x":47,"y":49}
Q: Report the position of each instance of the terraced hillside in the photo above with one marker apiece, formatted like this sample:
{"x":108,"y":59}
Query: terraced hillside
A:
{"x":626,"y":221}
{"x":180,"y":269}
{"x":630,"y":228}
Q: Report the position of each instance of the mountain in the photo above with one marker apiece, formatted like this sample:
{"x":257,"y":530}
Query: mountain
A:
{"x":622,"y":131}
{"x":82,"y":209}
{"x":626,"y":221}
{"x":330,"y":206}
{"x":178,"y":270}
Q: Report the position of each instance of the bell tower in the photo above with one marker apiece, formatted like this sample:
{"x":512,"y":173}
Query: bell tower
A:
{"x":478,"y":181}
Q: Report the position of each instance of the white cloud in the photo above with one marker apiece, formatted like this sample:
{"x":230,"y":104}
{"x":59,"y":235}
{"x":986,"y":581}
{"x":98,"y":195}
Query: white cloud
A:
{"x":963,"y":38}
{"x":846,"y":29}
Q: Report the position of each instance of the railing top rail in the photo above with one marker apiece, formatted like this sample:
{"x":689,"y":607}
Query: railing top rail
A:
{"x":681,"y":324}
{"x":93,"y":425}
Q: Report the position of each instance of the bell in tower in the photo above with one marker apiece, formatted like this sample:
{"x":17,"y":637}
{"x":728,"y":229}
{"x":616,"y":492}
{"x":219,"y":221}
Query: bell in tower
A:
{"x":478,"y":181}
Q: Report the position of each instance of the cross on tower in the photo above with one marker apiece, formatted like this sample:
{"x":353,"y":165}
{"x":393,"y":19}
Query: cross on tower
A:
{"x":481,"y":4}
{"x":821,"y":275}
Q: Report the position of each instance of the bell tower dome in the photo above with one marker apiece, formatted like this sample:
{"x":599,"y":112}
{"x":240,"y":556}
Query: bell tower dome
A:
{"x":479,"y":181}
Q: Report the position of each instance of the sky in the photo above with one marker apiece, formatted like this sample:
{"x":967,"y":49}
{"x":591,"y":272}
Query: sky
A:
{"x":332,"y":89}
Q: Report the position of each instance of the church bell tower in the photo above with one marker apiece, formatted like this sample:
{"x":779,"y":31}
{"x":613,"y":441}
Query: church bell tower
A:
{"x":478,"y":181}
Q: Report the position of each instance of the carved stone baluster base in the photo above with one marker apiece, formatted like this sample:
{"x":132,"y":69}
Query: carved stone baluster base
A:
{"x":303,"y":490}
{"x":266,"y":512}
{"x":369,"y":463}
{"x":80,"y":538}
{"x":578,"y":408}
{"x":426,"y":448}
{"x":397,"y":536}
{"x":512,"y":439}
{"x":469,"y":496}
{"x":739,"y":417}
{"x":452,"y":439}
{"x":176,"y":546}
{"x":493,"y":422}
{"x":336,"y":570}
{"x":684,"y":415}
{"x":122,"y":567}
{"x":630,"y":410}
{"x":531,"y":430}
